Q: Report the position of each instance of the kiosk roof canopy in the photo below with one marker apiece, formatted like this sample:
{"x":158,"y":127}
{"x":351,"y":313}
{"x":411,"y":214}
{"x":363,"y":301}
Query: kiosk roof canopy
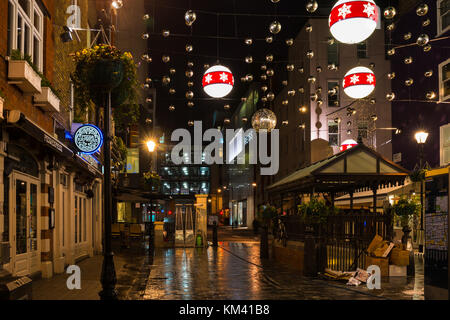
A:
{"x":358,"y":167}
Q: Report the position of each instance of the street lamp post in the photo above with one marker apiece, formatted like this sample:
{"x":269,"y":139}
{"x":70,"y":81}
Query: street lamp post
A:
{"x":151,"y":145}
{"x":421,"y":138}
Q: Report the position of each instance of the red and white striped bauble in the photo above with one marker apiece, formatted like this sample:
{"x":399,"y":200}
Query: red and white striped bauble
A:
{"x":359,"y":82}
{"x":348,"y":144}
{"x":353,"y":21}
{"x":218,"y":81}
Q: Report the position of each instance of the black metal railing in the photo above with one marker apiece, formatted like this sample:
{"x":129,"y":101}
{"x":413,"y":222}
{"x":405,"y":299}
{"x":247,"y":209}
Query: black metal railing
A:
{"x":344,"y":237}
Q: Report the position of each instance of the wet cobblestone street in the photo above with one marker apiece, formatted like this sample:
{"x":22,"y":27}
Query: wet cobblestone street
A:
{"x":234,"y":271}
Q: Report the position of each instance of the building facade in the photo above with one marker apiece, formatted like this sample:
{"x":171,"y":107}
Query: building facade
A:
{"x":50,"y":196}
{"x":429,"y":69}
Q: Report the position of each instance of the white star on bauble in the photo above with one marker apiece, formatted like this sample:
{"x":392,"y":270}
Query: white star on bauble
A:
{"x":344,"y":11}
{"x":224,"y":77}
{"x":369,"y":9}
{"x":354,"y":79}
{"x":370,"y":79}
{"x":208,"y":78}
{"x":343,"y":83}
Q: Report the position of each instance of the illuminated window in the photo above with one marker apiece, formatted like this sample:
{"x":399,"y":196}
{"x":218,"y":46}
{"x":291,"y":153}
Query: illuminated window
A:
{"x":444,"y":80}
{"x":443,"y":15}
{"x":333,"y":133}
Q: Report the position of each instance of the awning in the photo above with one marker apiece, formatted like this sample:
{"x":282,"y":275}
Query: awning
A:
{"x":359,"y":168}
{"x":367,"y":196}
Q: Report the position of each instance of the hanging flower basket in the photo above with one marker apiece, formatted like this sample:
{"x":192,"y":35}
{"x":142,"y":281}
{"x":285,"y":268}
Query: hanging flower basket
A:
{"x":101,"y":69}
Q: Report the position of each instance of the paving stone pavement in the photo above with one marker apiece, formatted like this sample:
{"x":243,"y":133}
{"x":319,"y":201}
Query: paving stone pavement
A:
{"x":234,"y":271}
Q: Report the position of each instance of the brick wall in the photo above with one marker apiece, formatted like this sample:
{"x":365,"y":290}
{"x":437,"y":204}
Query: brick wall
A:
{"x":15,"y":100}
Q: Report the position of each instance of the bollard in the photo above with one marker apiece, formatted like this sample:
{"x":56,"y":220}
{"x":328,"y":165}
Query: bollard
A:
{"x":151,"y":238}
{"x":264,"y":247}
{"x":215,"y":234}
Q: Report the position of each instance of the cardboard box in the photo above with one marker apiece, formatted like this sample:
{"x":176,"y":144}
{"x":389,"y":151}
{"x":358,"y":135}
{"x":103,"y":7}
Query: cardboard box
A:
{"x":376,"y":243}
{"x":397,"y":271}
{"x":399,"y":257}
{"x":383,"y":263}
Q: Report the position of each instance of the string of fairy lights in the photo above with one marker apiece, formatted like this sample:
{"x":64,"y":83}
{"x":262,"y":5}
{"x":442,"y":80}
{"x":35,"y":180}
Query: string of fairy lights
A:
{"x":359,"y":83}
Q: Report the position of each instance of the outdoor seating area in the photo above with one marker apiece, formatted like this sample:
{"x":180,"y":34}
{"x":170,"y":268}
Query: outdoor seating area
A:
{"x":133,"y":230}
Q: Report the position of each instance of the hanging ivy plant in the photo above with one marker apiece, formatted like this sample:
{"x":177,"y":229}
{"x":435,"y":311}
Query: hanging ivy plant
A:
{"x":266,"y":214}
{"x":418,"y":175}
{"x":316,"y":211}
{"x":405,"y":209}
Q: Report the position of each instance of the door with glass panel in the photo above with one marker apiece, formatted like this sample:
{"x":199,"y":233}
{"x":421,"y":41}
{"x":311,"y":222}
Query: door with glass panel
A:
{"x":24,"y":198}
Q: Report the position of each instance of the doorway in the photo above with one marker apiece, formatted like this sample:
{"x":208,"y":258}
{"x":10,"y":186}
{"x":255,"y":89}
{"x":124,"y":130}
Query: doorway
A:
{"x":24,"y":224}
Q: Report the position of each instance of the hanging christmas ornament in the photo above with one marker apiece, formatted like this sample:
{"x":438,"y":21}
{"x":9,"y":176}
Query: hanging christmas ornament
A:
{"x":390,"y":96}
{"x":145,"y":36}
{"x":190,"y":84}
{"x":290,"y":67}
{"x":373,"y":101}
{"x":389,"y":13}
{"x":359,"y":82}
{"x":407,"y":36}
{"x":372,"y":65}
{"x":390,"y":27}
{"x":249,"y":78}
{"x":269,"y":58}
{"x":166,"y":33}
{"x":391,"y":75}
{"x":206,"y":66}
{"x":248,"y":41}
{"x":189,"y":73}
{"x":284,"y":83}
{"x":146,"y":58}
{"x":289,"y":42}
{"x":249,"y":59}
{"x":427,"y":48}
{"x":337,"y":120}
{"x":319,"y":69}
{"x":349,"y":123}
{"x":310,"y":54}
{"x":353,"y":21}
{"x":190,"y":104}
{"x":374,"y":117}
{"x":308,"y":28}
{"x":190,"y":123}
{"x":146,"y":17}
{"x":172,"y":91}
{"x":270,"y":96}
{"x":264,"y":119}
{"x":263,"y":67}
{"x":227,"y":107}
{"x":226,"y":121}
{"x":285,"y":102}
{"x":408,"y":60}
{"x":275,"y":27}
{"x":264,"y":88}
{"x":166,"y":80}
{"x":430,"y":95}
{"x":145,"y":86}
{"x":330,"y":41}
{"x":165,"y":59}
{"x":244,"y":119}
{"x":311,"y":6}
{"x":190,"y":18}
{"x":269,"y":39}
{"x":301,"y":90}
{"x":190,"y":64}
{"x":189,"y":95}
{"x":285,"y":122}
{"x":426,"y":22}
{"x":149,"y":100}
{"x":263,"y":77}
{"x":189,"y":48}
{"x":264,"y":99}
{"x":319,"y":102}
{"x":302,"y":126}
{"x":429,"y":73}
{"x":311,"y":79}
{"x":422,"y":10}
{"x":303,"y":109}
{"x":301,"y":70}
{"x":391,"y":52}
{"x":218,"y":81}
{"x":172,"y":71}
{"x":172,"y":108}
{"x":348,"y":144}
{"x":314,"y":97}
{"x":409,"y":82}
{"x":270,"y":72}
{"x":423,"y":40}
{"x":275,"y":1}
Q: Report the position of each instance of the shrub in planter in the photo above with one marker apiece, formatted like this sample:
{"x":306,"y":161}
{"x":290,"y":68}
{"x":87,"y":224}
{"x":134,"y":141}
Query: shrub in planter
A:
{"x":152,"y":180}
{"x":266,"y":214}
{"x":405,"y":209}
{"x":316,"y":211}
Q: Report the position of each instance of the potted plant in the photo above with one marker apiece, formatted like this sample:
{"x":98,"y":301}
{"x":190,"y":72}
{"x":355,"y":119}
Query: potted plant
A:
{"x":315,"y":211}
{"x":104,"y":68}
{"x":48,"y":98}
{"x":265,"y":215}
{"x":23,"y":73}
{"x":405,"y":209}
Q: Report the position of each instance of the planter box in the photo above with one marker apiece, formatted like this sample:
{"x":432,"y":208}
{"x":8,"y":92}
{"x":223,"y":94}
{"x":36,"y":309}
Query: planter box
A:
{"x":21,"y":74}
{"x":47,"y":100}
{"x":2,"y":101}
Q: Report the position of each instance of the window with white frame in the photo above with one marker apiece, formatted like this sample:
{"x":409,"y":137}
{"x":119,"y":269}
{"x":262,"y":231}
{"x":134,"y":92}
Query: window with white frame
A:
{"x":443,"y":16}
{"x":444,"y":80}
{"x":445,"y":144}
{"x":361,"y":50}
{"x":26,"y":29}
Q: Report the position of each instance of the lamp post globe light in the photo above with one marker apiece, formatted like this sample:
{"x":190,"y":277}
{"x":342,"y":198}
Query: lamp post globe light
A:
{"x":421,"y":138}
